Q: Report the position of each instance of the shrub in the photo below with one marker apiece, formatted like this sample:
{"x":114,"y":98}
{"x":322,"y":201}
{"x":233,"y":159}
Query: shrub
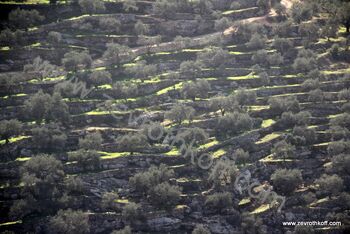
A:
{"x":342,"y":120}
{"x":334,"y":51}
{"x":275,"y":59}
{"x":330,"y":184}
{"x":132,"y":142}
{"x":127,"y":229}
{"x":280,"y":104}
{"x":222,"y":24}
{"x":88,"y":159}
{"x":316,"y":96}
{"x":245,"y":97}
{"x":301,"y":12}
{"x":264,"y":77}
{"x":288,"y":119}
{"x":43,"y":68}
{"x":73,"y":60}
{"x":241,"y":156}
{"x":24,"y":18}
{"x":234,"y":123}
{"x":219,"y":201}
{"x":223,"y":173}
{"x":97,"y":78}
{"x":259,"y":57}
{"x":190,"y":69}
{"x":200,"y":229}
{"x":108,"y":201}
{"x":54,"y":37}
{"x":303,"y":136}
{"x":341,"y":163}
{"x":214,"y":57}
{"x":141,"y":28}
{"x":257,"y":41}
{"x":193,"y":135}
{"x":69,"y":221}
{"x":165,"y":195}
{"x":285,"y":181}
{"x":310,"y":84}
{"x":179,"y":112}
{"x":220,"y":103}
{"x":305,"y":61}
{"x":196,"y":89}
{"x":338,"y":147}
{"x":131,"y":212}
{"x":10,"y":128}
{"x":115,"y":52}
{"x":284,"y":150}
{"x":143,"y":181}
{"x":91,"y":6}
{"x":92,"y":141}
{"x":110,"y":24}
{"x":125,"y":90}
{"x":48,"y":137}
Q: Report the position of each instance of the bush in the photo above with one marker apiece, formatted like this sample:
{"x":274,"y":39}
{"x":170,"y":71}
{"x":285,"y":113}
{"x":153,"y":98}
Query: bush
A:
{"x":285,"y":181}
{"x":288,"y":119}
{"x":330,"y":184}
{"x":310,"y":84}
{"x":338,"y":147}
{"x":222,"y":24}
{"x":305,"y":61}
{"x":316,"y":96}
{"x":214,"y":57}
{"x":221,"y":103}
{"x":73,"y":60}
{"x":259,"y":57}
{"x":141,"y":28}
{"x":196,"y":89}
{"x":115,"y":52}
{"x":10,"y":128}
{"x":131,"y":212}
{"x":108,"y":201}
{"x":282,"y":45}
{"x":219,"y":201}
{"x":190,"y":69}
{"x":303,"y":136}
{"x":97,"y":78}
{"x":91,"y":6}
{"x":24,"y":18}
{"x":245,"y":97}
{"x":110,"y":24}
{"x":193,"y":135}
{"x":257,"y":41}
{"x":301,"y":12}
{"x":127,"y":229}
{"x":132,"y":142}
{"x":334,"y":51}
{"x":92,"y":141}
{"x":241,"y":156}
{"x":88,"y":159}
{"x":265,"y":78}
{"x":179,"y":113}
{"x":54,"y":37}
{"x":280,"y":104}
{"x":223,"y":173}
{"x":48,"y":137}
{"x":69,"y":221}
{"x":234,"y":123}
{"x":341,"y":163}
{"x":200,"y":229}
{"x":165,"y":195}
{"x":284,"y":150}
{"x":143,"y":181}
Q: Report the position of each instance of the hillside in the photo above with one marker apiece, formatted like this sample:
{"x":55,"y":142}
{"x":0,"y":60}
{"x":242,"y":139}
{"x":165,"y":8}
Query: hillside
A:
{"x":175,"y":116}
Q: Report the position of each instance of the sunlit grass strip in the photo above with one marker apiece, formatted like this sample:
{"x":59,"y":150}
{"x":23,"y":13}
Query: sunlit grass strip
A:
{"x":14,"y":139}
{"x":10,"y":223}
{"x":108,"y":155}
{"x":219,"y":153}
{"x":229,"y":12}
{"x":268,"y":138}
{"x":261,"y":209}
{"x":267,"y":123}
{"x":173,"y":87}
{"x":209,"y":144}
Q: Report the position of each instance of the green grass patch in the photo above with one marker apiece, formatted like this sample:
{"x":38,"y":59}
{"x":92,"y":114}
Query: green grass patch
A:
{"x":261,"y":209}
{"x":229,"y":12}
{"x":108,"y":155}
{"x":173,"y":87}
{"x":268,"y":138}
{"x":14,"y":139}
{"x":267,"y":123}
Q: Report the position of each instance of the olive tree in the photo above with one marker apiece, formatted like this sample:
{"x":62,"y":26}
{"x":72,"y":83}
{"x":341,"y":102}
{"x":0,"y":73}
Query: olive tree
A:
{"x":69,"y":221}
{"x":285,"y":181}
{"x":21,"y":18}
{"x":330,"y":184}
{"x":91,"y":6}
{"x":179,"y":112}
{"x":10,"y":128}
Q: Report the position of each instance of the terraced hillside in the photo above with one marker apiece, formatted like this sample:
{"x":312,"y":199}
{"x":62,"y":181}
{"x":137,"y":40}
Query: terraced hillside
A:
{"x":204,"y":116}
